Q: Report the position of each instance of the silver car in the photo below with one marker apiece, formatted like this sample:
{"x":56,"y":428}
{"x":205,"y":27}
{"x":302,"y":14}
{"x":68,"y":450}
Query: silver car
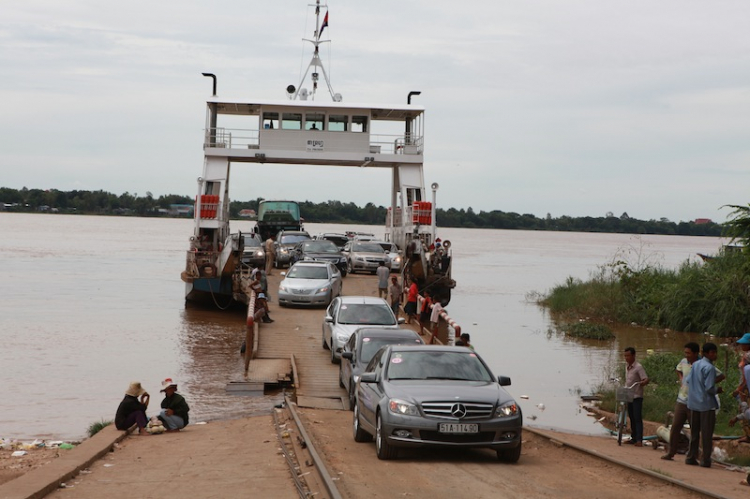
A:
{"x":345,"y":314}
{"x":435,"y":396}
{"x":364,"y":256}
{"x":253,"y":252}
{"x":310,"y":283}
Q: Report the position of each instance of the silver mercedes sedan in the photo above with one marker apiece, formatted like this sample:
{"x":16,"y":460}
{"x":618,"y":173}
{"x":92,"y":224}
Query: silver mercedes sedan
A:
{"x":433,"y":395}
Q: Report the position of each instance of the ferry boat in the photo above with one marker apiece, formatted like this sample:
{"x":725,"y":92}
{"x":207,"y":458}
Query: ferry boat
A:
{"x":303,"y":129}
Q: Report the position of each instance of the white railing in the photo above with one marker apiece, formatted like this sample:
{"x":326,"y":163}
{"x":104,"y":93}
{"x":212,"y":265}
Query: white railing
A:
{"x":239,"y":138}
{"x":246,"y":138}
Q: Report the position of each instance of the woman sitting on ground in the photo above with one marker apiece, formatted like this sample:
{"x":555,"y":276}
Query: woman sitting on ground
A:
{"x":132,"y":410}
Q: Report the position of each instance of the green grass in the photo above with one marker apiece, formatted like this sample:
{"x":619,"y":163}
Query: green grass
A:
{"x":588,"y":330}
{"x":98,"y":426}
{"x":697,"y":297}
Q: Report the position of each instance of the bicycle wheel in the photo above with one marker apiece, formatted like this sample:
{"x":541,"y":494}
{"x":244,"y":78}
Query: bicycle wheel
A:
{"x":620,"y":422}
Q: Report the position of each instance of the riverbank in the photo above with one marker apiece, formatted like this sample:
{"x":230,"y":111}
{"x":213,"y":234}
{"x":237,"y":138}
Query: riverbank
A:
{"x":229,"y":458}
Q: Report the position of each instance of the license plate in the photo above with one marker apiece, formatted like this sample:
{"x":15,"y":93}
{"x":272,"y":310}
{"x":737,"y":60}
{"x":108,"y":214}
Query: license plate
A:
{"x":458,"y":428}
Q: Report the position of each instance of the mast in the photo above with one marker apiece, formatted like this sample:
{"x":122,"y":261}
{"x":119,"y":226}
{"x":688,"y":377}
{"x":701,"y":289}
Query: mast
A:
{"x":315,"y":62}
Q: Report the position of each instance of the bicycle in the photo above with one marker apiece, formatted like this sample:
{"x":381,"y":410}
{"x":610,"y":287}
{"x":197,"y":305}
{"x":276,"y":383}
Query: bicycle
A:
{"x":623,"y":396}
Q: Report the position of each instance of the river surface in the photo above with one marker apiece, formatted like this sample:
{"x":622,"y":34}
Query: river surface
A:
{"x":90,"y":303}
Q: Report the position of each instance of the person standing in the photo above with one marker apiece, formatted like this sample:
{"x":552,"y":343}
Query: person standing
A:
{"x":132,"y":409}
{"x":681,"y":411}
{"x":635,"y":374}
{"x":396,"y":292}
{"x":702,"y":391}
{"x":270,"y":249}
{"x":741,"y":391}
{"x":383,"y":272}
{"x":410,"y":309}
{"x":174,"y":408}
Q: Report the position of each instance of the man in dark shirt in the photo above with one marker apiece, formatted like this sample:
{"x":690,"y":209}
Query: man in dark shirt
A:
{"x":175,"y":409}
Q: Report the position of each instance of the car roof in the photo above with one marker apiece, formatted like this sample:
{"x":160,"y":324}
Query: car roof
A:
{"x":430,"y":348}
{"x":363,"y":299}
{"x":379,"y":332}
{"x":312,"y":263}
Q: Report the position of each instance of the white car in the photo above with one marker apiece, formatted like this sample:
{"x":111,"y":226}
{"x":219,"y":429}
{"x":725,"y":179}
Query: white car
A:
{"x":310,"y":283}
{"x":346,"y":314}
{"x":395,"y":255}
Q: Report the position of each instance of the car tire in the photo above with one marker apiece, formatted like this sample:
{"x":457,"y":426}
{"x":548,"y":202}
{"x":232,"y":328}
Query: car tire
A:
{"x":325,"y":345}
{"x":341,"y":379}
{"x":334,"y":360}
{"x":344,"y":272}
{"x":352,"y":397}
{"x":385,"y":450}
{"x":360,"y":435}
{"x":509,"y":455}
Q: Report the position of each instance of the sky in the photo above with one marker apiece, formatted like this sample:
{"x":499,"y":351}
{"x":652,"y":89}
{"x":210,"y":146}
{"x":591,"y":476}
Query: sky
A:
{"x":573,"y":107}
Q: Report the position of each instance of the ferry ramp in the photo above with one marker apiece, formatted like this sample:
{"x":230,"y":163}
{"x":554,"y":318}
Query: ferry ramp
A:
{"x":297,"y":334}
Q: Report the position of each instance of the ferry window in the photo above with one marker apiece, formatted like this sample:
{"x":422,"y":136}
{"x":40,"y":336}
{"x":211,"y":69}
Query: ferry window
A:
{"x":314,"y":121}
{"x":359,"y":123}
{"x":291,"y":121}
{"x":270,"y":121}
{"x":338,"y":123}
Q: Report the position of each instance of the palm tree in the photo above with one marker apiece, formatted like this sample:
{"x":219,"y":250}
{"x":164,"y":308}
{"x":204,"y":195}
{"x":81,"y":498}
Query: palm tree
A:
{"x":738,"y":228}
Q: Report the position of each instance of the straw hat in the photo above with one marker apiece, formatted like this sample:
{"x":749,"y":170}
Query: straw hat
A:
{"x":167,"y":383}
{"x":135,"y":389}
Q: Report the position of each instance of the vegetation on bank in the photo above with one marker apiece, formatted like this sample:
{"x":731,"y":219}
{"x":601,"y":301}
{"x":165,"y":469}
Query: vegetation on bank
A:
{"x":711,"y":296}
{"x":105,"y":203}
{"x":97,"y":426}
{"x":660,"y":394}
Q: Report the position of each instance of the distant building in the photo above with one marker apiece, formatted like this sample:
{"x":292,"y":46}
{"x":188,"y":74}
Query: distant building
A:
{"x":701,"y":221}
{"x":181,"y":210}
{"x":247,"y":214}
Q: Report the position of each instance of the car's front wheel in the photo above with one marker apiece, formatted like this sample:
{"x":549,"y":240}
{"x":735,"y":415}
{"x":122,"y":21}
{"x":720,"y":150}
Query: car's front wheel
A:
{"x":385,"y":450}
{"x":360,"y":435}
{"x":334,"y":360}
{"x":510,"y":455}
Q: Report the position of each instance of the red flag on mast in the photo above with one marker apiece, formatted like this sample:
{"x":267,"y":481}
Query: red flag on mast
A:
{"x":325,"y":23}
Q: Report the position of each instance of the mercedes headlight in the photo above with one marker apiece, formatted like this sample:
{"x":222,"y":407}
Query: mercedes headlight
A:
{"x":507,"y":409}
{"x":401,"y":407}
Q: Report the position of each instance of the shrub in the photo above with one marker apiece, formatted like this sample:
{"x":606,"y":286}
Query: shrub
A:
{"x":588,"y":330}
{"x":98,"y":426}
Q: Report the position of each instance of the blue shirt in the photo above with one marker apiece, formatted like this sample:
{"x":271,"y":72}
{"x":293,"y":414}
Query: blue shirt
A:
{"x":701,"y":382}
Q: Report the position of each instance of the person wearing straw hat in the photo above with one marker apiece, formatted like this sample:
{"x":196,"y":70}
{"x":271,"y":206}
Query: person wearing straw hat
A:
{"x":174,"y":413}
{"x":132,"y":409}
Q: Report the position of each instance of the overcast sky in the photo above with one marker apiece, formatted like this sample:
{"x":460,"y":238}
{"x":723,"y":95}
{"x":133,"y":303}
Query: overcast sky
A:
{"x":572,"y":108}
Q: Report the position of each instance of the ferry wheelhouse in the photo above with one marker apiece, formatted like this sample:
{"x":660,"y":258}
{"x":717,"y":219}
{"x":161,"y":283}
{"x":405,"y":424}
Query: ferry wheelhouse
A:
{"x":302,"y":131}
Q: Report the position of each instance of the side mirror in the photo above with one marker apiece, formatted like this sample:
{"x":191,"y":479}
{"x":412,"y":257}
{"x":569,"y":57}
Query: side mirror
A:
{"x":368,"y":378}
{"x":328,"y":318}
{"x":347,"y":355}
{"x":503,"y":380}
{"x":283,"y":274}
{"x":401,"y":320}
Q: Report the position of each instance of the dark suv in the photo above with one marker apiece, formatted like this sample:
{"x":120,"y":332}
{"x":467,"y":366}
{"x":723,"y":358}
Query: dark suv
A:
{"x":285,"y":242}
{"x":336,"y":238}
{"x":321,"y":250}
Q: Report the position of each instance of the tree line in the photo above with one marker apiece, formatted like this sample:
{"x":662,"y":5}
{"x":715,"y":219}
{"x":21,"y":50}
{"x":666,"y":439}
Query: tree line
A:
{"x":127,"y":204}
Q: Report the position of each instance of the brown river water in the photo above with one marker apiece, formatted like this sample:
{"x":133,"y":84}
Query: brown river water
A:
{"x":88,"y":304}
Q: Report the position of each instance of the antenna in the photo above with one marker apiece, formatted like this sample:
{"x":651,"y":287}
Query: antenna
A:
{"x":315,"y":62}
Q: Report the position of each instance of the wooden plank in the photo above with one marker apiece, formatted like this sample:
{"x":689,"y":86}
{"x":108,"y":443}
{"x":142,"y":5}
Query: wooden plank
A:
{"x":320,"y":403}
{"x":268,"y":370}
